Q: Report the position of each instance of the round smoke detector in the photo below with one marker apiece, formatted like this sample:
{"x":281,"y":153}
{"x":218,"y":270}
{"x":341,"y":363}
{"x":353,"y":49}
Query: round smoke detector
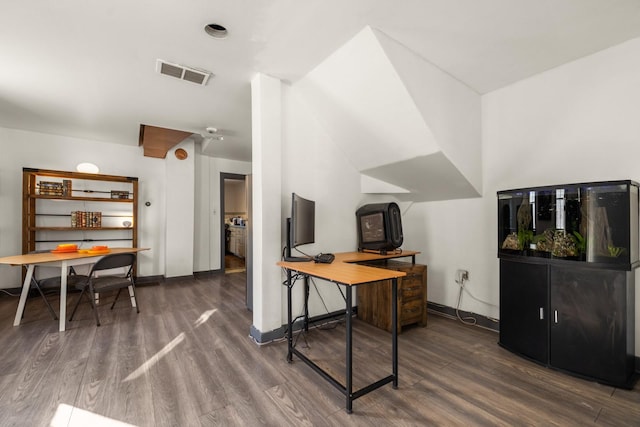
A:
{"x":216,"y":31}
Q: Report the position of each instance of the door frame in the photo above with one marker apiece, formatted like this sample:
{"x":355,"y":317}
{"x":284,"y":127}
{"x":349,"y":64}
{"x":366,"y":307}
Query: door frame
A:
{"x":224,"y":176}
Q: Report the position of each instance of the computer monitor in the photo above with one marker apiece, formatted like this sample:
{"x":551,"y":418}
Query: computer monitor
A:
{"x":301,"y":225}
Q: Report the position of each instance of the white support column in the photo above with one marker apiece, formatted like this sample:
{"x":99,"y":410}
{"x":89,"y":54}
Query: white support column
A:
{"x":180,"y":202}
{"x":267,"y":198}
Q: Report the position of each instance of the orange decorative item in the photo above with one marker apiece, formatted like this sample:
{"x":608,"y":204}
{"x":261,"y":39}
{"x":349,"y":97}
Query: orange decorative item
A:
{"x":99,"y":249}
{"x":65,"y":248}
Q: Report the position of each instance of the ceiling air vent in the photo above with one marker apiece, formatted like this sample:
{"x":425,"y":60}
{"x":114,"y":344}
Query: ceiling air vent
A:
{"x":183,"y":73}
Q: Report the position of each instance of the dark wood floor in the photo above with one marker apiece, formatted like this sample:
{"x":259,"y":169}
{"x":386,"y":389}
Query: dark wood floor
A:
{"x":187,"y":360}
{"x":233,"y":263}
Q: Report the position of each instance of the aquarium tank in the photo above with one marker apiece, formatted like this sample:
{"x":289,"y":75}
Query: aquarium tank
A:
{"x":589,"y":222}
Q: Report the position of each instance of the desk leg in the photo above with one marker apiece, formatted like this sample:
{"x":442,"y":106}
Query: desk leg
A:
{"x":394,"y":330}
{"x":289,"y":320}
{"x":64,"y":271}
{"x":306,"y":303}
{"x":24,"y":294}
{"x":349,"y":387}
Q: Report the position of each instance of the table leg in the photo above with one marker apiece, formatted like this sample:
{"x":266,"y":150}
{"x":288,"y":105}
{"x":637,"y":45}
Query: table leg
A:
{"x":23,"y":295}
{"x":289,"y":321}
{"x":306,"y":303}
{"x":349,"y":387}
{"x":394,"y":330}
{"x":64,"y":271}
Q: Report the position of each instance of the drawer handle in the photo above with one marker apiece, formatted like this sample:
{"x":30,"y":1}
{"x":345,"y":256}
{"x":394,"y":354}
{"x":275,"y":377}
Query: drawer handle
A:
{"x":415,"y":288}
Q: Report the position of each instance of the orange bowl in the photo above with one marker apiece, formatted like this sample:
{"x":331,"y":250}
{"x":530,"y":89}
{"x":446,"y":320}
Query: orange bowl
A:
{"x":99,"y":248}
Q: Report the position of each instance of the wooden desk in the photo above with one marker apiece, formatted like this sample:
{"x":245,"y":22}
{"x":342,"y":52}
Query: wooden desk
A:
{"x":344,"y":271}
{"x":64,"y":261}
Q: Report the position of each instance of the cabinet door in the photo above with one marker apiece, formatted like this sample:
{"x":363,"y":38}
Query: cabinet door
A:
{"x":523,"y":309}
{"x":233,"y":243}
{"x":589,"y":334}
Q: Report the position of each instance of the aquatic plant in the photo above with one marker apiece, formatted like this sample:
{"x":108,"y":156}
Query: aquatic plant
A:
{"x":615,"y":251}
{"x":524,"y":238}
{"x":581,"y":242}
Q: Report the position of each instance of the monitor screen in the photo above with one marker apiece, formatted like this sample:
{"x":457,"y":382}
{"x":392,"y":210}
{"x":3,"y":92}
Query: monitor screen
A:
{"x":372,"y":227}
{"x":303,"y":221}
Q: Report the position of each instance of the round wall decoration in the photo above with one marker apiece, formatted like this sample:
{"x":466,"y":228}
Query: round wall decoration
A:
{"x":181,"y":154}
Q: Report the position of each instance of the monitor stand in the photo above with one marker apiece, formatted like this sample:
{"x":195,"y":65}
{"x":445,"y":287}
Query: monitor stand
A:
{"x":297,"y":259}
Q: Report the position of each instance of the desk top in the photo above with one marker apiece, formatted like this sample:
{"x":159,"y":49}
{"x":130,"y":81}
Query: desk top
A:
{"x":344,"y":270}
{"x":44,"y":257}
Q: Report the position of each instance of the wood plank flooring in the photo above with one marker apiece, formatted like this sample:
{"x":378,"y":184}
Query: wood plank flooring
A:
{"x":233,"y":264}
{"x":187,"y":360}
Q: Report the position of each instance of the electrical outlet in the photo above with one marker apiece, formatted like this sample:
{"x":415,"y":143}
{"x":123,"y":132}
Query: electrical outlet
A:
{"x":462,"y":276}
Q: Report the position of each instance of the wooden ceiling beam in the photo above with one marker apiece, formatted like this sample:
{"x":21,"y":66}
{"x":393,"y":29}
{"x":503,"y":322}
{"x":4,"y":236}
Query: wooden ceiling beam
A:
{"x":157,"y":141}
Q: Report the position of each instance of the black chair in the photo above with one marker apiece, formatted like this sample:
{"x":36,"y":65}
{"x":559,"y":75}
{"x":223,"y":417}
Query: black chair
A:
{"x":99,"y":284}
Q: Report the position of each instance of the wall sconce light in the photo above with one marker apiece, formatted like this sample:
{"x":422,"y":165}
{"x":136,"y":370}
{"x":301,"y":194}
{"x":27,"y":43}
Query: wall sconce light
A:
{"x":87,"y":168}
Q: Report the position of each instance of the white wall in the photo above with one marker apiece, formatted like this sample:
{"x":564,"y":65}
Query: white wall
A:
{"x":313,"y":167}
{"x":180,"y":195}
{"x":235,"y":199}
{"x":575,"y":123}
{"x":30,"y":149}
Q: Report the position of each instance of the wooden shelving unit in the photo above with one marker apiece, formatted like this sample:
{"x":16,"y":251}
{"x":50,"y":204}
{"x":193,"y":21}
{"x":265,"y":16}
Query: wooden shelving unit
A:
{"x":44,"y":214}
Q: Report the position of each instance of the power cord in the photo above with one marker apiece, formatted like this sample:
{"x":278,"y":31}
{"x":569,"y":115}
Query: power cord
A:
{"x":9,"y":293}
{"x":468,"y":320}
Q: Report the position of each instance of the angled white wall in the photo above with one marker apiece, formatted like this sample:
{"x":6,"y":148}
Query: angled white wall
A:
{"x":450,"y":109}
{"x":389,"y":110}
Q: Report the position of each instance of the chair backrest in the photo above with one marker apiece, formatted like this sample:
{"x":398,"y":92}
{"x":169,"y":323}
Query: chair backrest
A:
{"x":115,"y":261}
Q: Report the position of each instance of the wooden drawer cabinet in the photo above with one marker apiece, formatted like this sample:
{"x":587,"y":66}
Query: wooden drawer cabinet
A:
{"x":374,"y":300}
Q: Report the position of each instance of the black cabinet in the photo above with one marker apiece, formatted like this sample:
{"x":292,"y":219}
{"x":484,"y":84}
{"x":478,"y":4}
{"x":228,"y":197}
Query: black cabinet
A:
{"x":567,"y":281}
{"x":523,"y":309}
{"x":592,"y":318}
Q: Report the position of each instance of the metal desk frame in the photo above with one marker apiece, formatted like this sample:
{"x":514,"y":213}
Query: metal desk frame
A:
{"x":345,"y":389}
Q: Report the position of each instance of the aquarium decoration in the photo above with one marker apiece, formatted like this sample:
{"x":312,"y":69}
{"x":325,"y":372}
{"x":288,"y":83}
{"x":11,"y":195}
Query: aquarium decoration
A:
{"x":563,"y":245}
{"x":511,"y":242}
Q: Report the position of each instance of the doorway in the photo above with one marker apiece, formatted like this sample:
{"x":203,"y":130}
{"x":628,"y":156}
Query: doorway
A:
{"x":235,"y":218}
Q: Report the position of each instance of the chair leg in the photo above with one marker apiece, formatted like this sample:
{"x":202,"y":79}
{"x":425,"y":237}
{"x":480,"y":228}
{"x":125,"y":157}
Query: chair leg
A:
{"x":132,"y":294}
{"x":88,"y":293}
{"x":77,"y":304}
{"x":93,"y":304}
{"x":116,"y":298}
{"x":46,"y":301}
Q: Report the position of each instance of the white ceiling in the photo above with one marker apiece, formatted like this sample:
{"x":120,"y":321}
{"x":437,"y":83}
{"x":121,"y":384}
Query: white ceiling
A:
{"x":86,"y":68}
